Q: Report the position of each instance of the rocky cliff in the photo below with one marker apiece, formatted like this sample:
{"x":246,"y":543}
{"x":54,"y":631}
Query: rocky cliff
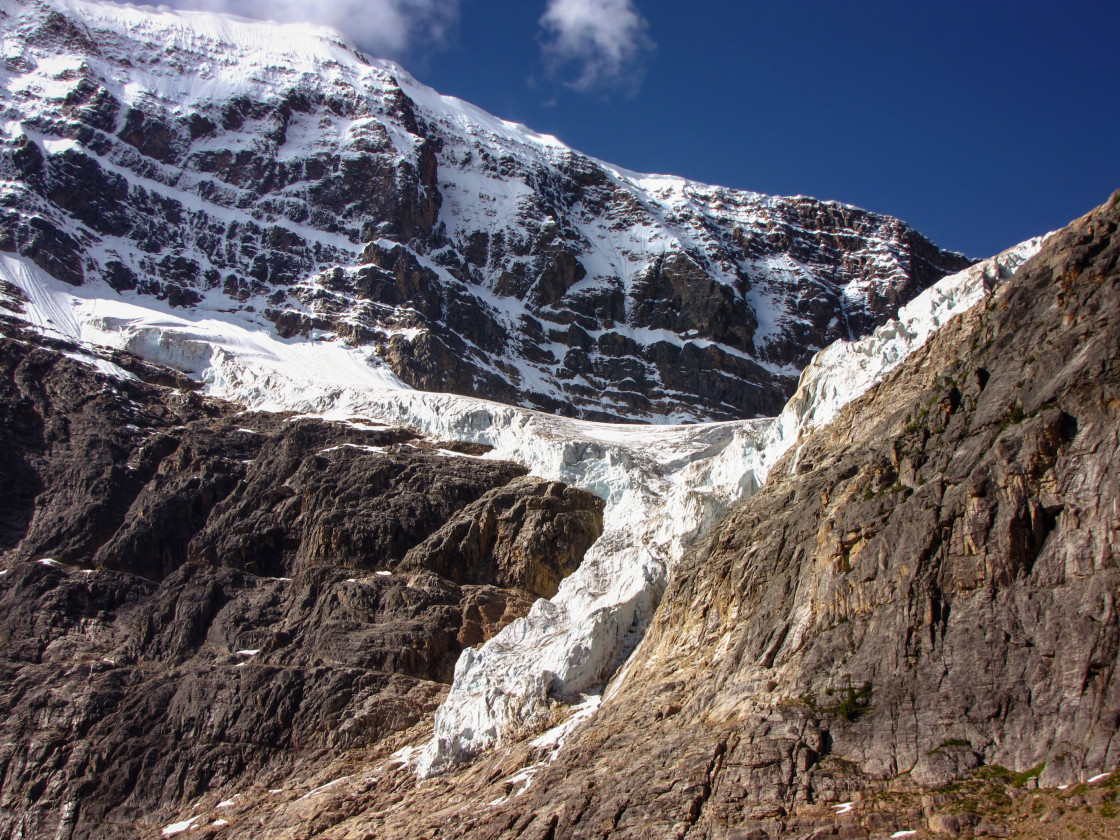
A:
{"x":910,"y":628}
{"x":277,"y":176}
{"x":192,"y":594}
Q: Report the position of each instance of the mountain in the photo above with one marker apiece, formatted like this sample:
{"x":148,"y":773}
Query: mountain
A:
{"x":276,"y":177}
{"x":162,"y":547}
{"x":904,"y":624}
{"x":287,"y":552}
{"x":910,"y":627}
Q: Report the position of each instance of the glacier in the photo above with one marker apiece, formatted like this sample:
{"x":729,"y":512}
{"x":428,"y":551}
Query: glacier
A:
{"x":663,"y":484}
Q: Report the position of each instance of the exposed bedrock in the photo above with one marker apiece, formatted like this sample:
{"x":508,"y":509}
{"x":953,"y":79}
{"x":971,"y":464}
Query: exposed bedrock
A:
{"x":198,"y":598}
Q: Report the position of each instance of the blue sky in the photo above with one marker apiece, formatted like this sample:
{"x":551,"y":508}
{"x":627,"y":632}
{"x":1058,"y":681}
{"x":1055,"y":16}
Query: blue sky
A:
{"x":981,"y":123}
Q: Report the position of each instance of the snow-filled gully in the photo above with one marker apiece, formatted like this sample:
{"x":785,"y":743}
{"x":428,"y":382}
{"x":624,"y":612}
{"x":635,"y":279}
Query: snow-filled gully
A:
{"x":663,"y":485}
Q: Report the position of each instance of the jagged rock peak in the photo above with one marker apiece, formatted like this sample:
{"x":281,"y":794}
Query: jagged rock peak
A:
{"x":275,"y":174}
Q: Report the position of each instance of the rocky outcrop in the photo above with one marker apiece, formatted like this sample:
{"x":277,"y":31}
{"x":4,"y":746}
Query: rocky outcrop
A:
{"x":343,"y":200}
{"x":193,"y":597}
{"x":526,"y":535}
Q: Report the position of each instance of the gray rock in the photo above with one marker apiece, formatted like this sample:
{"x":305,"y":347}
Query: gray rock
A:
{"x":195,"y":598}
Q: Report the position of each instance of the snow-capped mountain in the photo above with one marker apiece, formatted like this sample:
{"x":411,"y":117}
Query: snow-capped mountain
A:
{"x":276,"y":178}
{"x":270,"y":558}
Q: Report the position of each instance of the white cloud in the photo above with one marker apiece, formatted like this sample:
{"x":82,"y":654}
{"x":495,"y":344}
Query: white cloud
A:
{"x":603,"y":41}
{"x":384,"y":28}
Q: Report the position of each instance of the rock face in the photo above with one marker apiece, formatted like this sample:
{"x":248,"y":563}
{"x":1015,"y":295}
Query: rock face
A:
{"x":926,"y":587}
{"x":240,"y":624}
{"x":911,"y":627}
{"x":193,"y":595}
{"x":337,"y":198}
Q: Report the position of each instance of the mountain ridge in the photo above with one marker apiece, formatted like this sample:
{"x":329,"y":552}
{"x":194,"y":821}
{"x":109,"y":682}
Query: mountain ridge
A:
{"x":286,"y":555}
{"x":323,"y":194}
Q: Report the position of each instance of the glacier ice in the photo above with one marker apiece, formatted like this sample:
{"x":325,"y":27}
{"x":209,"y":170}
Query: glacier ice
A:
{"x":663,"y":485}
{"x":576,"y":641}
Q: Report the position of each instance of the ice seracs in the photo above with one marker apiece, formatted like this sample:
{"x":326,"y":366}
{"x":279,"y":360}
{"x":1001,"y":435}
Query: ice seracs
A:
{"x":663,"y":485}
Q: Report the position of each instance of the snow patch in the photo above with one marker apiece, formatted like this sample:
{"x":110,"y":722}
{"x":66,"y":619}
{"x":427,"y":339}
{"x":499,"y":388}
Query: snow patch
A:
{"x":404,"y":757}
{"x":322,"y":788}
{"x":556,"y":736}
{"x":377,"y":450}
{"x":179,"y":827}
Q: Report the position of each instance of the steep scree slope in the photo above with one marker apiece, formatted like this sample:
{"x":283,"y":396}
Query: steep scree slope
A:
{"x":275,"y":173}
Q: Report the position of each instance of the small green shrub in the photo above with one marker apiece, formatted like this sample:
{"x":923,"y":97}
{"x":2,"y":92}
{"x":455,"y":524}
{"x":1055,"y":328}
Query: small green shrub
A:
{"x":855,"y":702}
{"x":1020,"y":779}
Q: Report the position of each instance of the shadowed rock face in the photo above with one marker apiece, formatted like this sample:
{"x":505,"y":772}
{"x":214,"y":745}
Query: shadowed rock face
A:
{"x":334,"y":194}
{"x":193,"y":595}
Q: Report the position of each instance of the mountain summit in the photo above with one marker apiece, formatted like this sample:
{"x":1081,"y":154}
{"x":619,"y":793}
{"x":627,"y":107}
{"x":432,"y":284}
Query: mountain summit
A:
{"x":289,"y":550}
{"x":278,"y":177}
